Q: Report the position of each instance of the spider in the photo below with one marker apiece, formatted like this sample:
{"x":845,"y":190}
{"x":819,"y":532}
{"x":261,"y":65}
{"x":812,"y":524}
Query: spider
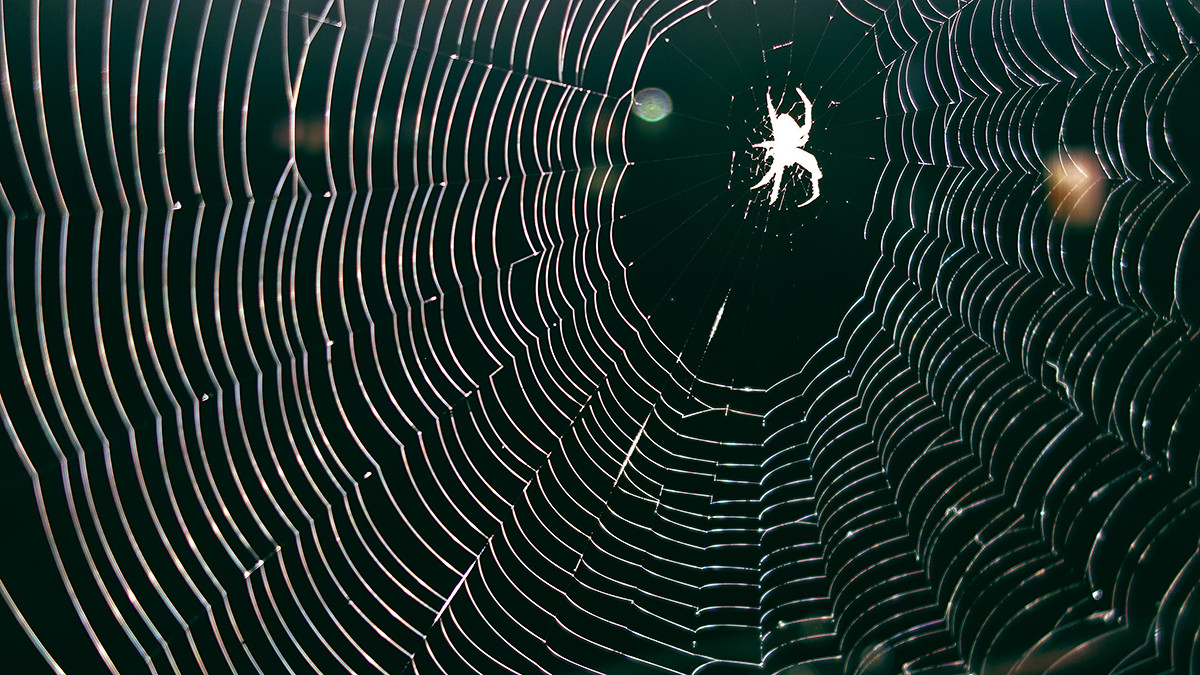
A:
{"x":786,"y":148}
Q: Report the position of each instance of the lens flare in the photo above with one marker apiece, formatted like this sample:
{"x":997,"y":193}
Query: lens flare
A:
{"x":651,"y":104}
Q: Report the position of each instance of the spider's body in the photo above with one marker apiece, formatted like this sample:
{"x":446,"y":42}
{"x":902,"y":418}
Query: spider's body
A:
{"x":786,"y":148}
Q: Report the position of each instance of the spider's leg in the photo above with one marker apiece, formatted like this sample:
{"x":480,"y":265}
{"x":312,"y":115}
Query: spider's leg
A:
{"x":806,"y":160}
{"x":807,"y":126}
{"x":775,"y":167}
{"x":765,"y":179}
{"x":816,"y":193}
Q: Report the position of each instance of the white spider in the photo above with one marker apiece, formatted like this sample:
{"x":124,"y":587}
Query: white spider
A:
{"x":787,"y":148}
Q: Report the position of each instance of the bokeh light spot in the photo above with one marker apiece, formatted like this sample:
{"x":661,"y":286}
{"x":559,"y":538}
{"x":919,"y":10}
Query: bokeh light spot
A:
{"x":1077,"y":187}
{"x":651,"y":104}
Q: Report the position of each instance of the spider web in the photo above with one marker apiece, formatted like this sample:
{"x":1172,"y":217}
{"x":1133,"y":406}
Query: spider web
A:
{"x":374,"y":337}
